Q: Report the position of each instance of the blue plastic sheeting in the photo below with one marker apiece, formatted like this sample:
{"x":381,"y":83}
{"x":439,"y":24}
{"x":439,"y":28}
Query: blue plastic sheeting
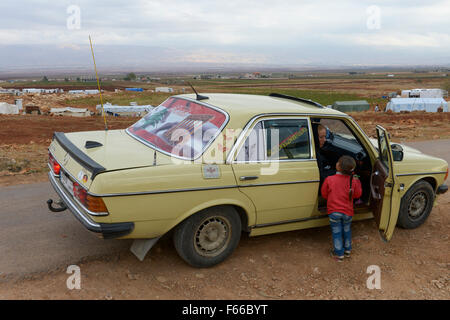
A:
{"x":417,"y":104}
{"x":134,"y":89}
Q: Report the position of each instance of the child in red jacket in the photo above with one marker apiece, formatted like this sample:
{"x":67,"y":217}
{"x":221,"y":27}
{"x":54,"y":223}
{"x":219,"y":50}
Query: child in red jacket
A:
{"x":340,"y":190}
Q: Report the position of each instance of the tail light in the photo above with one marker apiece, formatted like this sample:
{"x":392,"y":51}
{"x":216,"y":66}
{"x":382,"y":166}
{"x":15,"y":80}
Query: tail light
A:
{"x":54,"y":164}
{"x":79,"y":193}
{"x":446,"y":175}
{"x":93,"y":204}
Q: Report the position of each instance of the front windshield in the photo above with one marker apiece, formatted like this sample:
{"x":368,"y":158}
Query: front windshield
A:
{"x":180,"y":127}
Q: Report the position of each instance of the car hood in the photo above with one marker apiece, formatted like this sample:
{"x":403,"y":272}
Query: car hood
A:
{"x":414,"y":160}
{"x":406,"y":149}
{"x":118,"y":150}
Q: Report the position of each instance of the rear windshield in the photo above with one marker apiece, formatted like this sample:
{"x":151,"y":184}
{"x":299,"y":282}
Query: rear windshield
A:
{"x":180,"y":127}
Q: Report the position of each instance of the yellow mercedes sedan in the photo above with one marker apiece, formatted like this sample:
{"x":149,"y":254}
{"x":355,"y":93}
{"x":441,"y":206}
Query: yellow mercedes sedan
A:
{"x":207,"y":168}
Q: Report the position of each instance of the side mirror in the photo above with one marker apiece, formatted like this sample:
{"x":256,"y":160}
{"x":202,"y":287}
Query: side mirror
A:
{"x":397,"y":152}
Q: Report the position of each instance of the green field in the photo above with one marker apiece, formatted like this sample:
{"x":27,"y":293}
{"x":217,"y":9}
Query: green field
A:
{"x":120,"y":98}
{"x":124,"y":98}
{"x":325,"y":88}
{"x":322,"y":97}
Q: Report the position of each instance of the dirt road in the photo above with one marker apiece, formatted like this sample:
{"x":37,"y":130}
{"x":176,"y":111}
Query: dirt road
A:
{"x":37,"y":247}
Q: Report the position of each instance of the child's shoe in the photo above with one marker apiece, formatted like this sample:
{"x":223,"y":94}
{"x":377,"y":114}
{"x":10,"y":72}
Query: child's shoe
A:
{"x":347,"y":253}
{"x":335,"y":257}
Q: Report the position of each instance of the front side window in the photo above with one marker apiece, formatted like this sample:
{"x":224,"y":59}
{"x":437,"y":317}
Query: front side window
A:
{"x":277,"y":139}
{"x":339,"y":137}
{"x":337,"y":128}
{"x":180,"y":127}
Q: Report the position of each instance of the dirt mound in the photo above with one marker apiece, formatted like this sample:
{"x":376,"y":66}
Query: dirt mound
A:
{"x":418,"y":125}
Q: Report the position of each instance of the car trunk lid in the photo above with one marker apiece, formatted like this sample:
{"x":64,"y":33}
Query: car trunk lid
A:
{"x":83,"y":155}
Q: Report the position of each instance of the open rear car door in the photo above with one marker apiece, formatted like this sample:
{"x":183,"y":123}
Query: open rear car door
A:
{"x":384,"y":189}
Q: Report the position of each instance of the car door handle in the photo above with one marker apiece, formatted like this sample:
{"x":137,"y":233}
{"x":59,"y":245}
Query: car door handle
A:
{"x":246,"y":178}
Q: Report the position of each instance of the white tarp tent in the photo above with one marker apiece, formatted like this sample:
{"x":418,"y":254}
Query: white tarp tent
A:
{"x":69,"y":111}
{"x":92,"y":91}
{"x":417,"y":104}
{"x":125,"y":110}
{"x":6,"y":108}
{"x":424,"y":93}
{"x":163,"y":89}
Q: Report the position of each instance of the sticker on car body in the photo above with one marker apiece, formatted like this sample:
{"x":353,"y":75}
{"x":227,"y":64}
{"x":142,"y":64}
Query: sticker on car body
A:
{"x":82,"y":176}
{"x":211,"y":171}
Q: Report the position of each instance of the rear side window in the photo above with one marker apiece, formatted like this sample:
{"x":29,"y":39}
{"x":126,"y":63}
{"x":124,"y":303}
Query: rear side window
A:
{"x":277,"y":139}
{"x":180,"y":127}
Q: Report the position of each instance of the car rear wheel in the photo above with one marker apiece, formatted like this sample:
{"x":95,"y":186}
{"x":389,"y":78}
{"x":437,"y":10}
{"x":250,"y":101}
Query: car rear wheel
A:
{"x":416,"y":205}
{"x":208,"y":237}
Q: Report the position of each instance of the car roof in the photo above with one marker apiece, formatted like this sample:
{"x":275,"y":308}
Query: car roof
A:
{"x":251,"y":105}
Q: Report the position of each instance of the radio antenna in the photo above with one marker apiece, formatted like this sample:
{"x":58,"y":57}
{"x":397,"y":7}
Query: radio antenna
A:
{"x":98,"y":85}
{"x":199,"y":97}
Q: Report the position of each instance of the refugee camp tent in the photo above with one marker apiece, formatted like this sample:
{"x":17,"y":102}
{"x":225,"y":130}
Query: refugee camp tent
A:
{"x":163,"y":89}
{"x":131,"y":110}
{"x":6,"y":108}
{"x":32,"y":90}
{"x":351,"y":106}
{"x":92,"y":91}
{"x":417,"y":104}
{"x":69,"y":111}
{"x":424,"y":93}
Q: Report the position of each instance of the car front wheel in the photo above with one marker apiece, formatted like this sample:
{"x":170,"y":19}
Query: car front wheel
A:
{"x":416,"y":205}
{"x":208,"y":237}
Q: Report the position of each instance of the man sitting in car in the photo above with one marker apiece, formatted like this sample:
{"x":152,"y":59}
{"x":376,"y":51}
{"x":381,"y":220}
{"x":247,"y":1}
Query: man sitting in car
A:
{"x":326,"y":167}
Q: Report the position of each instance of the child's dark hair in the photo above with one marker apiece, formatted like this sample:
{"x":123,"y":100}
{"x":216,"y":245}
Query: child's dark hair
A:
{"x":348,"y":165}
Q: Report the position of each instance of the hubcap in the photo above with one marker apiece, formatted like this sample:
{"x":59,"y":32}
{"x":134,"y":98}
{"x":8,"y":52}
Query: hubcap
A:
{"x":212,"y":237}
{"x":417,"y":205}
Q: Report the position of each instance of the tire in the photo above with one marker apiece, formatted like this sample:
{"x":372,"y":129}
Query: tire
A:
{"x":208,"y":237}
{"x":416,"y":205}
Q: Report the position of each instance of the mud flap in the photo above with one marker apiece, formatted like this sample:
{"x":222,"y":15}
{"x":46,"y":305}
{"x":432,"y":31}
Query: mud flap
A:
{"x":140,"y":247}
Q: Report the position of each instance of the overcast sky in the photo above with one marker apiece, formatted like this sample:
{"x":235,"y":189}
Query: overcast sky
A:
{"x":253,"y":32}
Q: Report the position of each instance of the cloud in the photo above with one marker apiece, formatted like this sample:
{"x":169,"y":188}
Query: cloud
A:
{"x":402,"y":40}
{"x":292,"y":31}
{"x":204,"y":56}
{"x":70,"y":46}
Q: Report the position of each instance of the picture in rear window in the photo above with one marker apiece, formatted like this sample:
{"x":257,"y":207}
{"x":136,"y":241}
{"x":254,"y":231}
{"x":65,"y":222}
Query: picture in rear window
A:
{"x":180,"y":127}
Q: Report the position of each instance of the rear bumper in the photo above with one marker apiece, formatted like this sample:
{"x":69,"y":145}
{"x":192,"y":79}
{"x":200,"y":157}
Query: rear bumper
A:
{"x":442,"y":189}
{"x":107,"y":230}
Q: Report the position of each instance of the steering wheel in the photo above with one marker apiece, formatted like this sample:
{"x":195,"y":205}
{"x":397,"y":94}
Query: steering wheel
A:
{"x":329,"y":135}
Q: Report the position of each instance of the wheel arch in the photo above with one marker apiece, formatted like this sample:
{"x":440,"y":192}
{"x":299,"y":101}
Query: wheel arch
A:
{"x":430,"y":179}
{"x":245,"y":214}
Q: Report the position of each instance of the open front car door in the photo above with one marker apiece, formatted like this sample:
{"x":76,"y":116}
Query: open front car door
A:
{"x":384,"y":190}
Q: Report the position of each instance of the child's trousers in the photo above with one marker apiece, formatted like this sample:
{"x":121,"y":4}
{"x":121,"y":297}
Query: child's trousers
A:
{"x":341,"y":231}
